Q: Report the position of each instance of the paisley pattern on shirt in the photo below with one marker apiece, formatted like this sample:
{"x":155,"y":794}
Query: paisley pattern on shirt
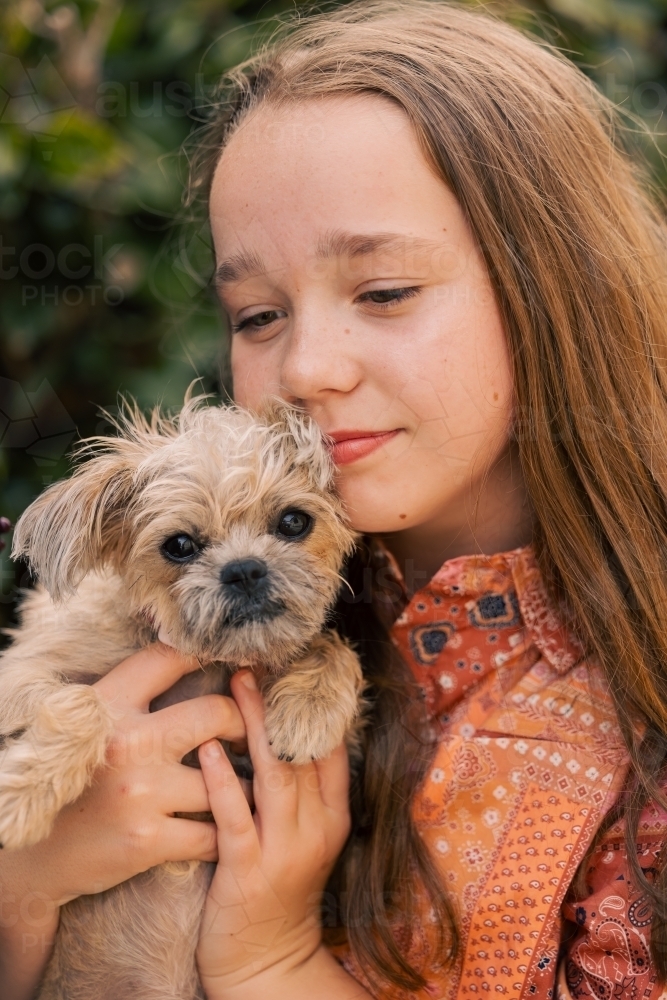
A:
{"x":608,"y":956}
{"x":529,"y":759}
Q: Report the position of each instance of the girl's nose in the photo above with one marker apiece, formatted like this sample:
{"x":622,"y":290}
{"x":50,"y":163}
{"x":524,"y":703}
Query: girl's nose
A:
{"x":319,"y":359}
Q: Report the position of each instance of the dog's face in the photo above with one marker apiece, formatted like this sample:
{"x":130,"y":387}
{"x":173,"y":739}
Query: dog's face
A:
{"x":224,"y":526}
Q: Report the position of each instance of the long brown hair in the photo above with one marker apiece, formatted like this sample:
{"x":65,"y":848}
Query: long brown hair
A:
{"x":577,"y":253}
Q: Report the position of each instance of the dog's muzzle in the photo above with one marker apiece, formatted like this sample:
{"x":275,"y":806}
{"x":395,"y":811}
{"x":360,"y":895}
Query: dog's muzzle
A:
{"x":247,"y":577}
{"x":247,"y":587}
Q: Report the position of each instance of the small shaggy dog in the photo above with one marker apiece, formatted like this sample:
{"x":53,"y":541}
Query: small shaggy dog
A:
{"x":219,"y":532}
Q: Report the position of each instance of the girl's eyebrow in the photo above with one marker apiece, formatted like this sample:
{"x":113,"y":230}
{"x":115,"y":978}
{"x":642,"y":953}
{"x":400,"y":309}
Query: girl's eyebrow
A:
{"x":240,"y":265}
{"x":338,"y":243}
{"x":335,"y":243}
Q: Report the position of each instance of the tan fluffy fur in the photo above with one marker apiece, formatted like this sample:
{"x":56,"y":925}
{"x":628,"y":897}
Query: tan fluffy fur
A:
{"x":223,"y":476}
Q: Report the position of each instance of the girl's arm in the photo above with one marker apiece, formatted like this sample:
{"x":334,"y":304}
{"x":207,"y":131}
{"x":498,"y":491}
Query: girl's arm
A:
{"x":123,"y":824}
{"x":261,"y":934}
{"x":27,"y":933}
{"x":318,"y":978}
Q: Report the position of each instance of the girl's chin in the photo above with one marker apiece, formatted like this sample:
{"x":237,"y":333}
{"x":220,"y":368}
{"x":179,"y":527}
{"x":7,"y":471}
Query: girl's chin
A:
{"x":371,"y":514}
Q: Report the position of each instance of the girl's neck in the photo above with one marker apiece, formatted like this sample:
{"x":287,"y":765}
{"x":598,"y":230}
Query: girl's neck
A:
{"x":492,"y":515}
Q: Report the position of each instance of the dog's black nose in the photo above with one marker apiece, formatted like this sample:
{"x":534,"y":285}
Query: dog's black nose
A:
{"x":244,"y":575}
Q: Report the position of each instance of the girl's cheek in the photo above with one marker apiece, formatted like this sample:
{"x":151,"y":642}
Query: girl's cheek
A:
{"x":252,"y":378}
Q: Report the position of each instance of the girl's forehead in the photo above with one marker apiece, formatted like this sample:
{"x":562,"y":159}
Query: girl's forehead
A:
{"x":347,"y":169}
{"x":317,"y":120}
{"x":345,"y":146}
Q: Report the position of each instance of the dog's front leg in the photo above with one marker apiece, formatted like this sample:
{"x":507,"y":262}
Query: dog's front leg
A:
{"x":312,"y":708}
{"x":50,"y":763}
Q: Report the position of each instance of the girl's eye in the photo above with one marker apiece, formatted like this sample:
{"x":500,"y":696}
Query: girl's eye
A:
{"x":384,"y":297}
{"x":258,"y":321}
{"x":180,"y":548}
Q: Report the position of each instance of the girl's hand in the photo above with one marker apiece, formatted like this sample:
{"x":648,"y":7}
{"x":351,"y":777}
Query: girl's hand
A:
{"x":261,"y":925}
{"x":123,"y":823}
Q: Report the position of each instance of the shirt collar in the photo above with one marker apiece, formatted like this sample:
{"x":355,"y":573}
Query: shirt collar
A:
{"x":501,"y":594}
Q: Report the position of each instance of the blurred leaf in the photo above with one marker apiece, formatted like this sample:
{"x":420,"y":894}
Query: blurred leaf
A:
{"x":14,"y":155}
{"x":86,"y":150}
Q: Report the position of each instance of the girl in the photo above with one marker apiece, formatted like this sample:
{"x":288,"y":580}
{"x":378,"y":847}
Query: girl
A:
{"x":427,"y":235}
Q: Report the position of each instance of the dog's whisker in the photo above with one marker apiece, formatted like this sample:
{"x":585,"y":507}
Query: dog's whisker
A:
{"x":346,"y":582}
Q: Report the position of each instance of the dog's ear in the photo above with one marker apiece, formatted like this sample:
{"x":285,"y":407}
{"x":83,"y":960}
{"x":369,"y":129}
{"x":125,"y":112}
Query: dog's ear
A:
{"x":311,"y":449}
{"x":78,"y":523}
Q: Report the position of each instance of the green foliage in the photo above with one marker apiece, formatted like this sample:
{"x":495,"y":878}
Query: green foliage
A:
{"x":103,"y":291}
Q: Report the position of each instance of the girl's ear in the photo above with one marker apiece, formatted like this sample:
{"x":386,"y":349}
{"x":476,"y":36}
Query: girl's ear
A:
{"x":79,"y":523}
{"x":311,"y":449}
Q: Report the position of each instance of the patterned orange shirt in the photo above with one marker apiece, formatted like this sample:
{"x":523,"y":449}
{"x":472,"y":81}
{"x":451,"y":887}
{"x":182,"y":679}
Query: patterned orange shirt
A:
{"x":529,"y":760}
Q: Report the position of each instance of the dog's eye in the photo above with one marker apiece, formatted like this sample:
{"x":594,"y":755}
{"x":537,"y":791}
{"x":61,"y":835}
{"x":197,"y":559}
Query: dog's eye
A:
{"x":180,"y":548}
{"x":294,"y":524}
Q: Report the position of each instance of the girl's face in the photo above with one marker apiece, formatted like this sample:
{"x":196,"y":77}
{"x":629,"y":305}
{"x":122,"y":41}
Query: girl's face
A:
{"x":355,"y":289}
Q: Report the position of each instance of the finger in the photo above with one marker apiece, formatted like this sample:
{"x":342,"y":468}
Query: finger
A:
{"x":246,"y":786}
{"x":145,"y":675}
{"x":238,"y":846}
{"x":185,"y":791}
{"x":333,"y":774}
{"x":324,"y":786}
{"x":190,"y":840}
{"x":275,"y":781}
{"x":188,"y":724}
{"x":309,"y":799}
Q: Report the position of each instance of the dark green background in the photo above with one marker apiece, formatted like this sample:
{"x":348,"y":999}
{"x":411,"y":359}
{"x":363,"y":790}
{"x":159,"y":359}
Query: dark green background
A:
{"x":104,"y":283}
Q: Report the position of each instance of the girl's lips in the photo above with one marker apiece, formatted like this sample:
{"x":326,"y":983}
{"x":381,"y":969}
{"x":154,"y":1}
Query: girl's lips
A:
{"x":351,"y":445}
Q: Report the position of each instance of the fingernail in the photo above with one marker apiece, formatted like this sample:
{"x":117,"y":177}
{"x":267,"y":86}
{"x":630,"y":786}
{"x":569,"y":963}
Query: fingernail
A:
{"x":249,"y":681}
{"x":212,"y":749}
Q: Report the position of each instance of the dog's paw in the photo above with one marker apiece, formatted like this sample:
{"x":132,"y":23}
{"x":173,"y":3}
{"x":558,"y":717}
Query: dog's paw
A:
{"x":25,"y":817}
{"x":301,"y":730}
{"x":312,"y":708}
{"x":27,"y":807}
{"x":50,"y":764}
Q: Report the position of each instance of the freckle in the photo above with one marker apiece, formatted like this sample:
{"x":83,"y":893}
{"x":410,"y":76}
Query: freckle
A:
{"x":402,"y":516}
{"x":495,"y":397}
{"x":346,"y":331}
